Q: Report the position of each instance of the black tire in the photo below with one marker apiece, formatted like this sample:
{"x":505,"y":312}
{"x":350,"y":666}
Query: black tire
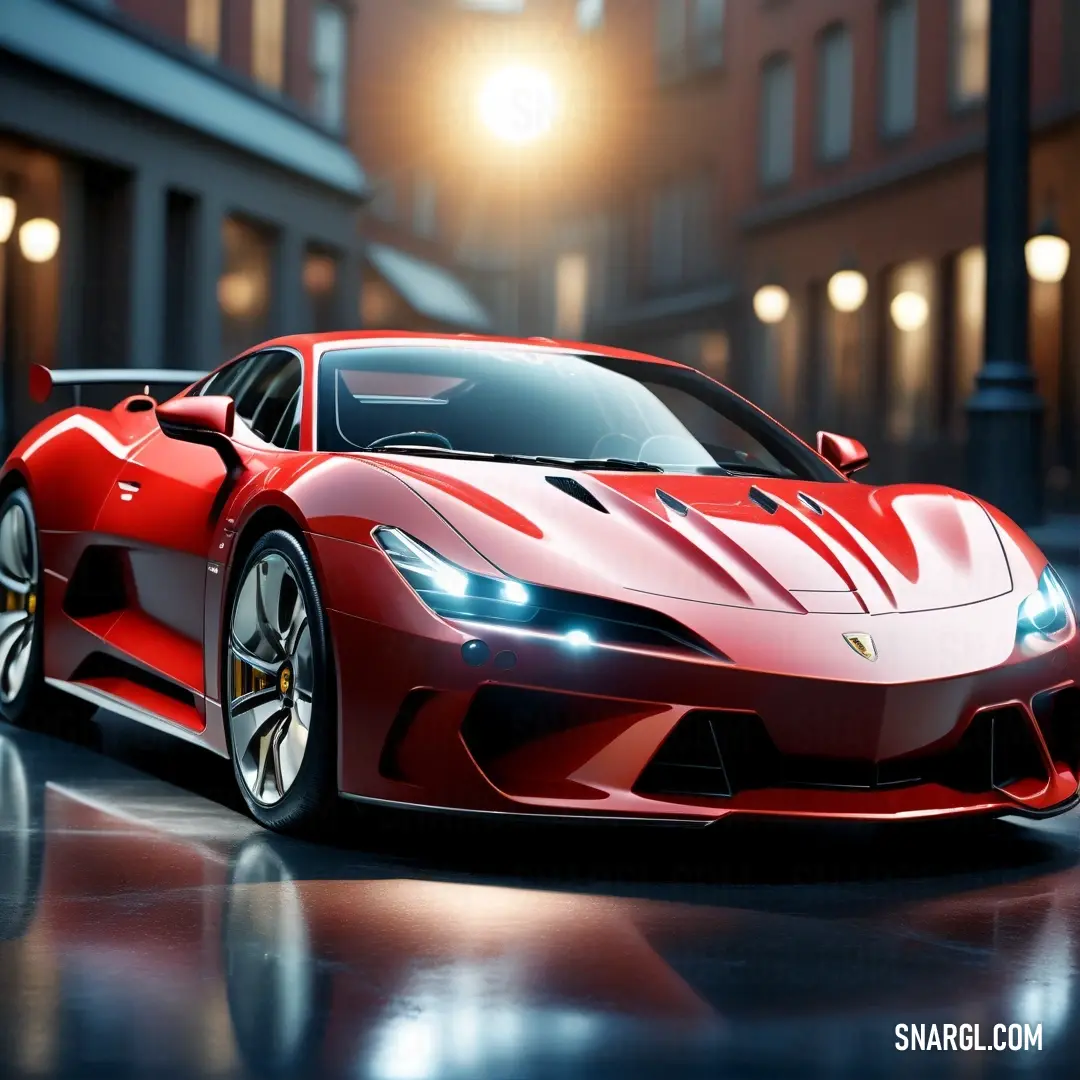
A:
{"x":310,"y":797}
{"x":34,"y":704}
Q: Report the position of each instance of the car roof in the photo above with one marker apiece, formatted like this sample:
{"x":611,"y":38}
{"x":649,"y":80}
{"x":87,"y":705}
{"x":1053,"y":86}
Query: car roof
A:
{"x":316,"y":343}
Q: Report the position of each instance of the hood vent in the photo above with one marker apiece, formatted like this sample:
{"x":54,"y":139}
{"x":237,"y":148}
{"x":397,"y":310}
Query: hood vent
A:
{"x":812,"y":503}
{"x":672,"y":503}
{"x":767,"y":504}
{"x":571,"y":487}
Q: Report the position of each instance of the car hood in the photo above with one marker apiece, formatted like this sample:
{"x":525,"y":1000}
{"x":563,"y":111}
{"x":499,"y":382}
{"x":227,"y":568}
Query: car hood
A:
{"x":781,"y":545}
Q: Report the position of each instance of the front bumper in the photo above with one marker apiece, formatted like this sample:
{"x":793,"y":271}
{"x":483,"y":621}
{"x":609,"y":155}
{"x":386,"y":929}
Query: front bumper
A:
{"x":575,"y":731}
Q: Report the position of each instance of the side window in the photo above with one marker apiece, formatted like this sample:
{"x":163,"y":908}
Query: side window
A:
{"x":268,"y":399}
{"x":266,"y":389}
{"x":222,"y":382}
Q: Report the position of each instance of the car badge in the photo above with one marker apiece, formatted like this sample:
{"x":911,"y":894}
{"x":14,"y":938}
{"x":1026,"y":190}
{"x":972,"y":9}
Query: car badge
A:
{"x":863,"y":644}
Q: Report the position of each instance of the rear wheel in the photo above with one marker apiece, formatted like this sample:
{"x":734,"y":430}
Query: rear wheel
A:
{"x":280,"y":704}
{"x":24,"y":697}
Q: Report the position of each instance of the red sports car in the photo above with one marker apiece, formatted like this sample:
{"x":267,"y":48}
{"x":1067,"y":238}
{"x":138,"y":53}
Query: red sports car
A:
{"x":528,"y":577}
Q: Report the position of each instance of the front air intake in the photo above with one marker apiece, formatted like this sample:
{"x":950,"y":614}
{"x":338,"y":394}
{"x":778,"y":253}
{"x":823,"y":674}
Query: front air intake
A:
{"x":1058,"y":714}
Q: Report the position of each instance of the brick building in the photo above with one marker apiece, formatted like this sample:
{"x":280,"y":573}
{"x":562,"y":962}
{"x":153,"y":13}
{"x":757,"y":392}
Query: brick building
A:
{"x":778,"y":141}
{"x":181,"y":182}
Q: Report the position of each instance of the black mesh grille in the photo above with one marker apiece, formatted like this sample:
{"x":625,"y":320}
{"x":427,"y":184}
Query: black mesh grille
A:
{"x":719,"y":754}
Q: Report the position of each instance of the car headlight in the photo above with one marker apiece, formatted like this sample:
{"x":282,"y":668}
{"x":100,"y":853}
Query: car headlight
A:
{"x":450,"y":591}
{"x":578,"y":620}
{"x":1048,"y":610}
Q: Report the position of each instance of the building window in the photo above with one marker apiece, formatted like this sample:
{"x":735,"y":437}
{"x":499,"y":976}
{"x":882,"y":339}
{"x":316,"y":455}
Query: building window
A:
{"x":911,"y":408}
{"x":689,"y":32}
{"x":670,"y":39}
{"x":709,"y":32}
{"x":590,"y":15}
{"x":834,"y":93}
{"x":245,"y":288}
{"x":329,"y":48}
{"x":204,"y":26}
{"x":320,"y":285}
{"x":682,"y":242}
{"x":571,"y":294}
{"x":971,"y":50}
{"x":268,"y":42}
{"x":899,"y":66}
{"x":777,"y":150}
{"x":968,"y":318}
{"x":424,"y":206}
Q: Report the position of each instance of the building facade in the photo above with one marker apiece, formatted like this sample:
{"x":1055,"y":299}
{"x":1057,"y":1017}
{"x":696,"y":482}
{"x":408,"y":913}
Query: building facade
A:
{"x":180,"y":179}
{"x":776,"y":142}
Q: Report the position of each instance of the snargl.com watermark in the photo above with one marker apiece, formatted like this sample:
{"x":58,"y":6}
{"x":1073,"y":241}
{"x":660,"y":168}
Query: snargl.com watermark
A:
{"x":963,"y":1037}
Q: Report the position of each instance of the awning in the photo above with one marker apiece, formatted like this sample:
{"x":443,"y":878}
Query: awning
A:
{"x":428,"y":289}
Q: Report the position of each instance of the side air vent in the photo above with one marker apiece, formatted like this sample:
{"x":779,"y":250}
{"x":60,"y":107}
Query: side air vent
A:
{"x":766,"y":503}
{"x":569,"y":486}
{"x":812,"y":503}
{"x":102,"y":666}
{"x":672,"y":503}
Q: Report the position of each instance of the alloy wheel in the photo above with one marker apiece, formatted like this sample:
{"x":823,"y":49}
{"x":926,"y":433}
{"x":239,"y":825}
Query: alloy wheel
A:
{"x":271,"y":678}
{"x":19,"y":585}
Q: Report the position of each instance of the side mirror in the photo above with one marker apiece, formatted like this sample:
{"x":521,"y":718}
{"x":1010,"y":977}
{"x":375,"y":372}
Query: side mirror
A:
{"x":208,"y":421}
{"x":847,"y":455}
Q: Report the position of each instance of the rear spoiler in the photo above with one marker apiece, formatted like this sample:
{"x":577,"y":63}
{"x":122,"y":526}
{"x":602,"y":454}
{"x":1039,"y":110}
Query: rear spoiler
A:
{"x":43,"y":379}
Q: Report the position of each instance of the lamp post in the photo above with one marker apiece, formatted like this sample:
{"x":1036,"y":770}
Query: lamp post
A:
{"x":1005,"y":413}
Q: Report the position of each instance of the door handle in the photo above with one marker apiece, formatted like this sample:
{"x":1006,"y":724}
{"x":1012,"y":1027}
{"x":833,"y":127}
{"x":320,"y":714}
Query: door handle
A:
{"x":128,"y":489}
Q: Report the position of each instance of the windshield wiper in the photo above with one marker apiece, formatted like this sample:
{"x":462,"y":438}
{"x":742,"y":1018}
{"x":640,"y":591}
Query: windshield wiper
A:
{"x":515,"y":459}
{"x":589,"y":464}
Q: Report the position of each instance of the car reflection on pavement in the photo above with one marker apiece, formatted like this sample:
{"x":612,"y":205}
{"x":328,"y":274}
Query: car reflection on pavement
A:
{"x":150,"y":932}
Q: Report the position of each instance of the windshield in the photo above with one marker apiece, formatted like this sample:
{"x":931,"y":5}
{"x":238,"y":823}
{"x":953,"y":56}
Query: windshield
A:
{"x":521,"y":403}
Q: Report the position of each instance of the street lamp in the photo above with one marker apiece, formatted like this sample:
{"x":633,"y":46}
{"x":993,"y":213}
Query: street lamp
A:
{"x":909,"y":311}
{"x":39,"y":239}
{"x":7,"y":217}
{"x":1047,"y":254}
{"x":771,"y":303}
{"x":1005,"y":414}
{"x":847,"y":290}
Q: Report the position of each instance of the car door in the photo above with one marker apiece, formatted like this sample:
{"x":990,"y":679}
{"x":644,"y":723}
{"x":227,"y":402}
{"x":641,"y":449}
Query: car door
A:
{"x":166,"y":504}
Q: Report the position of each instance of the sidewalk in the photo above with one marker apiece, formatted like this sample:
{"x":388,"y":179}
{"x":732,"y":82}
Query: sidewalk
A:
{"x":1059,"y":538}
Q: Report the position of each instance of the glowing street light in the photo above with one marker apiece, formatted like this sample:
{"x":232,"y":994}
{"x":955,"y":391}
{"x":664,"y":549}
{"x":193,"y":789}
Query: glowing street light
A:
{"x":771,"y":303}
{"x":909,"y":311}
{"x":7,"y":217}
{"x":518,"y":104}
{"x":39,"y":239}
{"x":847,"y":290}
{"x":1047,"y":254}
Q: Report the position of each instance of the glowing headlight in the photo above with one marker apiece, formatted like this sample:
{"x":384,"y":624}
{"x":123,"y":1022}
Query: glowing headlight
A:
{"x":447,"y":589}
{"x":1048,"y":610}
{"x":576,"y":619}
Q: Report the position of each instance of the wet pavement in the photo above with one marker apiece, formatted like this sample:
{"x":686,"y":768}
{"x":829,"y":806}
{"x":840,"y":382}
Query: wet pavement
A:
{"x":149,"y":929}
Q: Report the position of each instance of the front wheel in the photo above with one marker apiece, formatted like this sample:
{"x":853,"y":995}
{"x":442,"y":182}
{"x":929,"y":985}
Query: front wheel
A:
{"x":279,"y":697}
{"x":24,"y":696}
